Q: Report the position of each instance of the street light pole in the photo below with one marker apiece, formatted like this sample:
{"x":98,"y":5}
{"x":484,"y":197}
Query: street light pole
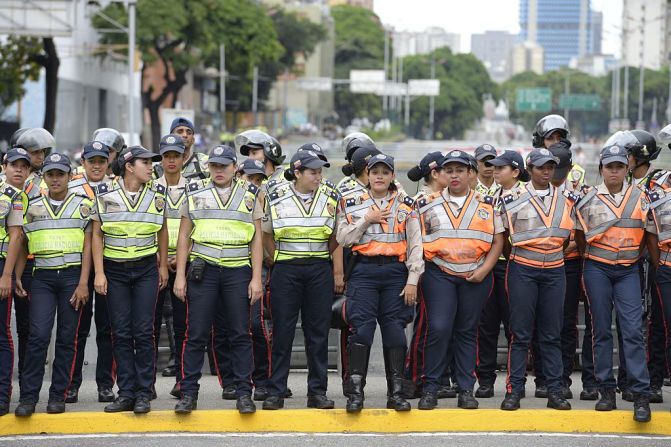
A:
{"x":131,"y":69}
{"x":431,"y":98}
{"x":255,"y":95}
{"x":222,"y":85}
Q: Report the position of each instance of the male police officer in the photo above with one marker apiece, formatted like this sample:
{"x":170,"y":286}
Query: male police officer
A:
{"x":195,"y":164}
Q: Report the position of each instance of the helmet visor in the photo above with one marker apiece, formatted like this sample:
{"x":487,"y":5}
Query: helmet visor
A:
{"x":36,"y":139}
{"x":110,"y":137}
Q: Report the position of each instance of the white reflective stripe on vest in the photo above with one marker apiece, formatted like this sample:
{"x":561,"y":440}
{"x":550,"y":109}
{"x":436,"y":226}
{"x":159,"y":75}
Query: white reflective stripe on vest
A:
{"x":58,"y":224}
{"x":290,"y":246}
{"x":304,"y":222}
{"x":458,"y":234}
{"x":58,"y":261}
{"x":537,"y":256}
{"x":221,"y":214}
{"x":539,"y":233}
{"x":619,"y":255}
{"x":223,"y":253}
{"x":458,"y":268}
{"x":139,"y":242}
{"x":387,"y":238}
{"x":621,"y":223}
{"x":142,"y":217}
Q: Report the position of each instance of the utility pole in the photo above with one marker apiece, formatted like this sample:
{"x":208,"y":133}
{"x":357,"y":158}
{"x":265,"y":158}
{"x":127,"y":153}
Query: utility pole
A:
{"x":640,"y":124}
{"x":255,"y":95}
{"x":432,"y":103}
{"x":385,"y":98}
{"x":131,"y":70}
{"x":567,"y":90}
{"x":222,"y":85}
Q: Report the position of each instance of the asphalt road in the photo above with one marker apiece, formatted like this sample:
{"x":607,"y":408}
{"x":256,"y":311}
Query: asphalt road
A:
{"x":352,"y":440}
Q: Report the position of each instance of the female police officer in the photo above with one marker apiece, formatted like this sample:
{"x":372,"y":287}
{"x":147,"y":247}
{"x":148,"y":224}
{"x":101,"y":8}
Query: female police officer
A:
{"x":383,"y":231}
{"x":300,"y":227}
{"x":610,"y":233}
{"x":219,"y":227}
{"x":462,"y":241}
{"x":538,"y":222}
{"x":57,"y":227}
{"x":128,"y":231}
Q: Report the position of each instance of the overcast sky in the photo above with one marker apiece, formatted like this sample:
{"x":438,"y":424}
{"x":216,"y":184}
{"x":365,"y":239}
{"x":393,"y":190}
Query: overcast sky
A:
{"x":475,"y":16}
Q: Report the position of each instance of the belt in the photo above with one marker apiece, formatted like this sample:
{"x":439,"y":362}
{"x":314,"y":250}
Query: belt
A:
{"x":303,"y":261}
{"x":379,"y":260}
{"x":142,"y":262}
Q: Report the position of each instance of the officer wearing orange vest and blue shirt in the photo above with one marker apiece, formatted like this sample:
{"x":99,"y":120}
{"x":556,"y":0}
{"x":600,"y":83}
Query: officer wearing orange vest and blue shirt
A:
{"x":12,"y":207}
{"x":130,"y":254}
{"x":462,"y":238}
{"x":610,"y":233}
{"x":57,"y":226}
{"x":95,"y":158}
{"x":538,"y":222}
{"x":382,"y":229}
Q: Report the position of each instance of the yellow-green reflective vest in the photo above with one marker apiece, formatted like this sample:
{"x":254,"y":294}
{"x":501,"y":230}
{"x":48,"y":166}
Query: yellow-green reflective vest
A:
{"x":301,"y":233}
{"x":222,"y":232}
{"x":56,"y":238}
{"x":173,"y":218}
{"x":10,"y":198}
{"x":130,"y":231}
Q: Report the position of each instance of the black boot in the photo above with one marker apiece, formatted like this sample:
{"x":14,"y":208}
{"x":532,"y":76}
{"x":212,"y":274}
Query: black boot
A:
{"x":642,"y":407}
{"x":607,"y":401}
{"x":358,"y":369}
{"x":394,"y":361}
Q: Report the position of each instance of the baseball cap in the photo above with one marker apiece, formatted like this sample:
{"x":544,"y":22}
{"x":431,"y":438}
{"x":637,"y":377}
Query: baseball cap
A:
{"x":17,"y":153}
{"x":456,"y":157}
{"x":381,"y":158}
{"x":135,"y":152}
{"x":613,"y":154}
{"x":317,"y":149}
{"x":307,"y":159}
{"x":223,"y":155}
{"x":538,"y":157}
{"x":514,"y":160}
{"x":95,"y":149}
{"x":251,"y":167}
{"x":171,"y":142}
{"x":181,"y":121}
{"x":431,"y":161}
{"x":57,"y":161}
{"x":485,"y":150}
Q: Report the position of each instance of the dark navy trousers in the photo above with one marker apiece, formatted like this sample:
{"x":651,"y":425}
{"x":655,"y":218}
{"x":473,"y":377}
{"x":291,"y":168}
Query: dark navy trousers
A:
{"x":305,"y":289}
{"x":221,"y":299}
{"x":663,"y":296}
{"x":373,"y":296}
{"x":6,"y":346}
{"x":22,"y":314}
{"x":50,"y":298}
{"x":494,"y":313}
{"x":617,"y":286}
{"x":536,"y":303}
{"x":453,"y":308}
{"x":132,"y":290}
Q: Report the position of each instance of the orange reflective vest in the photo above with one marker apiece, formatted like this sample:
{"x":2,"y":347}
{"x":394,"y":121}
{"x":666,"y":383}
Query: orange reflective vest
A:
{"x":537,"y":234}
{"x":613,"y":233}
{"x":457,"y":243}
{"x":386,"y":239}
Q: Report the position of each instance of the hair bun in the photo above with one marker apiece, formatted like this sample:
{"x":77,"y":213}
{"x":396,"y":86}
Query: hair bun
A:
{"x":347,"y":170}
{"x":415,"y":174}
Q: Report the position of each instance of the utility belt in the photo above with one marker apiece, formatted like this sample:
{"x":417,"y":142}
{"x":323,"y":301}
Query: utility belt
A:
{"x":303,"y":261}
{"x":378,"y":260}
{"x":196,"y":269}
{"x":142,"y":262}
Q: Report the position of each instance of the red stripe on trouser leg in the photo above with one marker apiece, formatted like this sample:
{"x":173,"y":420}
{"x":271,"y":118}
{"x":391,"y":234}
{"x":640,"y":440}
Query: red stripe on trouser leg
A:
{"x":509,"y":387}
{"x":666,"y":329}
{"x":74,"y":358}
{"x":186,"y":335}
{"x":591,"y":318}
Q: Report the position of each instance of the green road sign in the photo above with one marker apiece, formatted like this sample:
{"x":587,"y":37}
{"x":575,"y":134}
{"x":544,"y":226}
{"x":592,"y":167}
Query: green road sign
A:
{"x":580,"y":102}
{"x":534,"y":100}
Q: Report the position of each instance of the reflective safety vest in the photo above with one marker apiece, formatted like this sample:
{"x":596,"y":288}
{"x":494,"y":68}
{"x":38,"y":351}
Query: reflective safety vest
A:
{"x":386,"y":239}
{"x":482,"y":189}
{"x":457,"y":243}
{"x":130,"y":231}
{"x":301,"y":233}
{"x":349,"y":186}
{"x":173,"y":219}
{"x":80,"y":185}
{"x":10,"y":198}
{"x":56,"y":238}
{"x":537,"y":235}
{"x":613,"y":233}
{"x":35,"y":186}
{"x":195,"y":167}
{"x":222,"y":232}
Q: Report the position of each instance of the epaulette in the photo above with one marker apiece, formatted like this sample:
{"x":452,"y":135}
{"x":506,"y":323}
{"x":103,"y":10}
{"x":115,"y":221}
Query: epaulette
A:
{"x":11,"y":192}
{"x":101,"y":188}
{"x":252,"y":188}
{"x":508,"y":198}
{"x":334,"y":194}
{"x":194,"y":186}
{"x":350,"y":201}
{"x":654,"y":195}
{"x":489,"y":200}
{"x":329,"y":183}
{"x":422,"y":202}
{"x":408,"y":201}
{"x":569,"y":195}
{"x":159,"y":188}
{"x":272,"y":183}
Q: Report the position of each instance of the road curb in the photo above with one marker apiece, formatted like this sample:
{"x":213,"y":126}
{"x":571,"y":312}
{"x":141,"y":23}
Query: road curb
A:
{"x":338,"y":421}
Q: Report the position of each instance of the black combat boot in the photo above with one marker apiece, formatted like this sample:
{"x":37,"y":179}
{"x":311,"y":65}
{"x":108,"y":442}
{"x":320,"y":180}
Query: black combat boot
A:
{"x":358,"y":369}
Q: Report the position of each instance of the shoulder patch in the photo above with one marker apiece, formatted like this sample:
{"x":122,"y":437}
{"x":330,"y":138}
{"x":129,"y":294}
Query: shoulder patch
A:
{"x":422,"y":201}
{"x":489,"y":200}
{"x":334,"y":195}
{"x":350,"y":202}
{"x":274,"y":195}
{"x":194,"y":186}
{"x":408,"y":201}
{"x":329,"y":183}
{"x":101,"y":188}
{"x":272,"y":183}
{"x":253,"y":188}
{"x":507,"y":198}
{"x":11,"y":192}
{"x":159,"y":188}
{"x":654,"y":195}
{"x":569,"y":195}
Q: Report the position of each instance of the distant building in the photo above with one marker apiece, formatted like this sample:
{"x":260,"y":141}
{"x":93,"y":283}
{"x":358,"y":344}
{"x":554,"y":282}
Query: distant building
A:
{"x":645,"y":32}
{"x":597,"y":32}
{"x":526,"y":56}
{"x":493,"y":49}
{"x":564,"y":29}
{"x":594,"y":64}
{"x":407,"y":43}
{"x":368,"y":4}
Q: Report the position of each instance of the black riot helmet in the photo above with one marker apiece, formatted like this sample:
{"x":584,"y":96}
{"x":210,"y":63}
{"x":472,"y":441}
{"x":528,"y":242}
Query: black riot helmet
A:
{"x":639,"y":144}
{"x":112,"y":138}
{"x":546,"y":125}
{"x":354,"y":141}
{"x":256,"y":139}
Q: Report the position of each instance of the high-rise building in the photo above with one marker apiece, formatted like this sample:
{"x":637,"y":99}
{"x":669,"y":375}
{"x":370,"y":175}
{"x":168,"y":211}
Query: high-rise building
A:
{"x":597,"y":32}
{"x":409,"y":43}
{"x":526,"y":56}
{"x":645,"y":28}
{"x":493,"y":49}
{"x":563,"y":28}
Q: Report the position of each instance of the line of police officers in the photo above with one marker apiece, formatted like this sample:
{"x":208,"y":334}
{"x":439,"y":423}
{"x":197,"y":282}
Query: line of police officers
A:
{"x":489,"y":239}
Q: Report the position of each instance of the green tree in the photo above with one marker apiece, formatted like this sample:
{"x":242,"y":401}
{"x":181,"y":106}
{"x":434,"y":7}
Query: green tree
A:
{"x":16,"y":67}
{"x":181,"y":35}
{"x":359,"y":44}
